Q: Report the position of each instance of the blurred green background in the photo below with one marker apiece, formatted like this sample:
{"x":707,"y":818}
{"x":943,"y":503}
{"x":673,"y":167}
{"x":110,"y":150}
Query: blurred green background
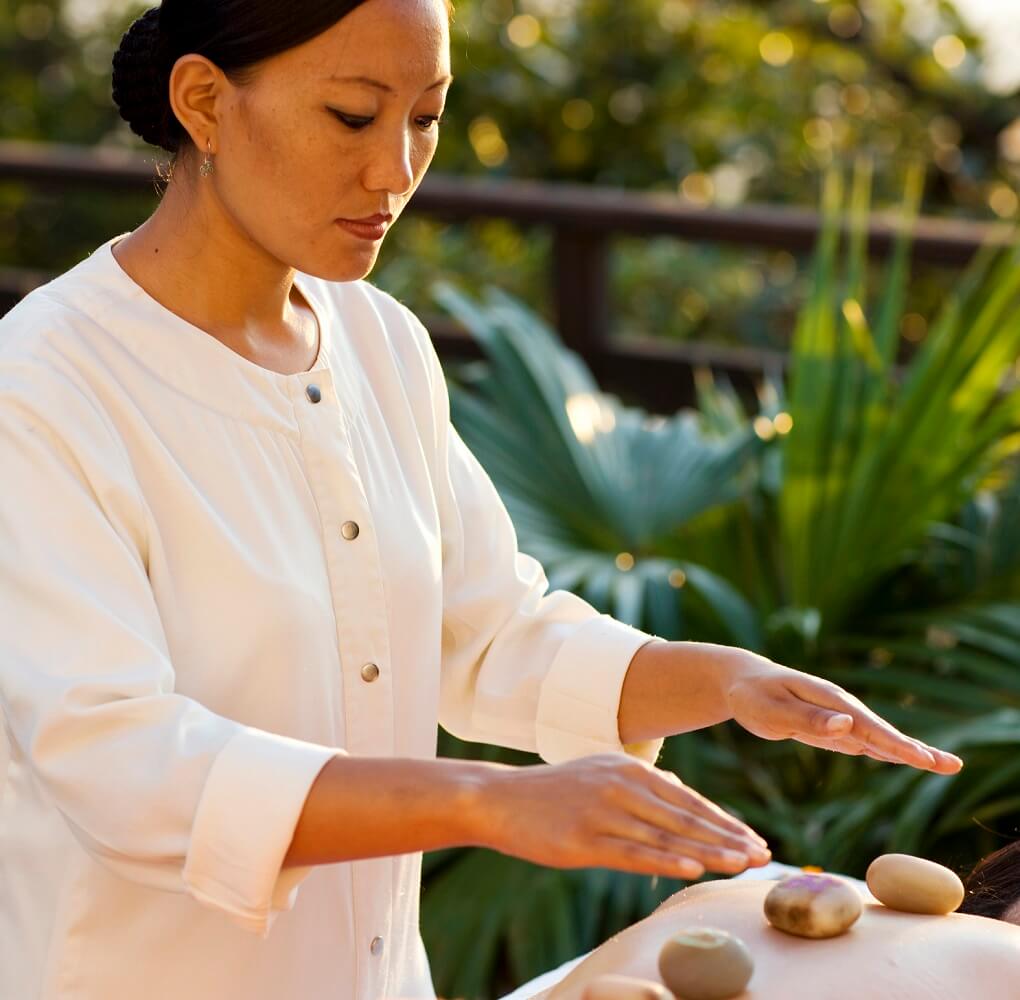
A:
{"x":860,"y":522}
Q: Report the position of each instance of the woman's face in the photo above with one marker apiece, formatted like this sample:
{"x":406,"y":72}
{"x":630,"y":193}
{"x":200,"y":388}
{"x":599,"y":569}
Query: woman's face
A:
{"x":305,"y":142}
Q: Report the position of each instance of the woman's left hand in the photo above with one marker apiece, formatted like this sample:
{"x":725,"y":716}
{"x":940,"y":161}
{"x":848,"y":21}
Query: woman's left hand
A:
{"x":778,"y":703}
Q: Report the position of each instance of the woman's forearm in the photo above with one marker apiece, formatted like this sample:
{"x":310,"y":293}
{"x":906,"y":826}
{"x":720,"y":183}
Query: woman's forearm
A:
{"x":675,"y":687}
{"x":366,"y":807}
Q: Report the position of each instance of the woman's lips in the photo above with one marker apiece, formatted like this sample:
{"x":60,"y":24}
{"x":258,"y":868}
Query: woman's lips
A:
{"x":364,"y":230}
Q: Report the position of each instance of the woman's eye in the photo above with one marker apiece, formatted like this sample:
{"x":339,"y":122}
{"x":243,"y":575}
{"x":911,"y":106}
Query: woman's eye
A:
{"x":425,"y":123}
{"x":351,"y":121}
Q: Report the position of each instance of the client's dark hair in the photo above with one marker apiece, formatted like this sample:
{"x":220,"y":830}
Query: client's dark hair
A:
{"x":233,"y":34}
{"x":994,"y":884}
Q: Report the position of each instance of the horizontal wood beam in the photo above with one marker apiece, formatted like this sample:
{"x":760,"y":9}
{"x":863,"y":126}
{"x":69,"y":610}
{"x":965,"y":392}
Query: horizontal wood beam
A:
{"x":577,"y":207}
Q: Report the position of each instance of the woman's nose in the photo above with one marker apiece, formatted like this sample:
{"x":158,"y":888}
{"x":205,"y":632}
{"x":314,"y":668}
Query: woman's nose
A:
{"x":390,"y":167}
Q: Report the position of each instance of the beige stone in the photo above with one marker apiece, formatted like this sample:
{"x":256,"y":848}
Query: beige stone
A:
{"x":914,"y":885}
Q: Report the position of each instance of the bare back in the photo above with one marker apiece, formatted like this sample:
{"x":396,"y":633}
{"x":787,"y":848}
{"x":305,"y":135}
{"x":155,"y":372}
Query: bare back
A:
{"x":886,"y":954}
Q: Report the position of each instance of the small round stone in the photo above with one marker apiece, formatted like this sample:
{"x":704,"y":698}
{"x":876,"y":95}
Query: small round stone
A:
{"x":914,"y":885}
{"x":813,"y":905}
{"x":613,"y":987}
{"x":705,"y":963}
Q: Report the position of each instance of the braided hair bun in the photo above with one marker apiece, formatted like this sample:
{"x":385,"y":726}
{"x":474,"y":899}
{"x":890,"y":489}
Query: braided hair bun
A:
{"x":141,"y":83}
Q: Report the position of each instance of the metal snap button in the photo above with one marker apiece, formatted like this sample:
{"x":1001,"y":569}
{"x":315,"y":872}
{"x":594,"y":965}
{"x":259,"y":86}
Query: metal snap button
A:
{"x":376,"y":946}
{"x":313,"y":393}
{"x":369,"y":672}
{"x":350,"y":530}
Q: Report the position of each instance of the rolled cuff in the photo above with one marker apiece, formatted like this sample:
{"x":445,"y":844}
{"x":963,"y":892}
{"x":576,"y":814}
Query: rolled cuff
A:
{"x":244,"y":824}
{"x":579,"y":701}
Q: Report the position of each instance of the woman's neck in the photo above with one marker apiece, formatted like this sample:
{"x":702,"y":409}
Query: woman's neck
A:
{"x":195,"y":262}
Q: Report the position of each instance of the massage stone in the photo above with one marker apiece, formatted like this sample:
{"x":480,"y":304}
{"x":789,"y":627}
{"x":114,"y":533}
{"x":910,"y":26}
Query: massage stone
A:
{"x":813,"y":905}
{"x":705,"y":963}
{"x":915,"y":885}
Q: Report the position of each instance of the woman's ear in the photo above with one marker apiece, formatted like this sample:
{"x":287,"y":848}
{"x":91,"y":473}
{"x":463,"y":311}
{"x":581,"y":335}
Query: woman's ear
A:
{"x":197,"y":88}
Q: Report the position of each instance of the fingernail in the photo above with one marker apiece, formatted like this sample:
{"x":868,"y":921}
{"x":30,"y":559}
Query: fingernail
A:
{"x":835,"y":722}
{"x":734,"y":857}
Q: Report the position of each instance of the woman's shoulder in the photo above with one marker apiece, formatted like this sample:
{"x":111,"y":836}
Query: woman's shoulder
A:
{"x":53,"y":319}
{"x":49,"y":342}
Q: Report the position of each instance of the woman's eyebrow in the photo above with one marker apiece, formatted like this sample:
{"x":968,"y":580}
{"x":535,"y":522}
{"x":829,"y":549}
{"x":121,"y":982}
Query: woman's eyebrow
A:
{"x":379,"y":85}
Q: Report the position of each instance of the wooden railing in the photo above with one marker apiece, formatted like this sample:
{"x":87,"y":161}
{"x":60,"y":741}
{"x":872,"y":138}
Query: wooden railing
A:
{"x":584,"y":220}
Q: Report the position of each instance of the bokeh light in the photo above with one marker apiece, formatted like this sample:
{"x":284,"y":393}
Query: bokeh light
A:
{"x":578,"y":113}
{"x":776,"y":48}
{"x":949,"y":51}
{"x":845,"y":20}
{"x":1003,"y":201}
{"x":487,"y":141}
{"x":698,"y":188}
{"x":524,"y":30}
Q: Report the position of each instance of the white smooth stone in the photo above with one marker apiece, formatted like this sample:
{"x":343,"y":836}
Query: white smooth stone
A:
{"x":914,"y":885}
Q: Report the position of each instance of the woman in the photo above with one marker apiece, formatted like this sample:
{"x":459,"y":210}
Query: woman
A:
{"x":885,"y":954}
{"x":248,"y":565}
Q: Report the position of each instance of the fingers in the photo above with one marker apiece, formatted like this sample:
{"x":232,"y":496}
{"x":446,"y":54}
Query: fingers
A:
{"x":629,"y":856}
{"x":674,"y":791}
{"x":712,"y":856}
{"x":656,"y":814}
{"x":817,"y":709}
{"x":945,"y":762}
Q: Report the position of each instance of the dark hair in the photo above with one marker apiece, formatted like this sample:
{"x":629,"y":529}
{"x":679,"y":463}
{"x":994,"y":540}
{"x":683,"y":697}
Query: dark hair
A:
{"x":994,"y":884}
{"x":233,"y":34}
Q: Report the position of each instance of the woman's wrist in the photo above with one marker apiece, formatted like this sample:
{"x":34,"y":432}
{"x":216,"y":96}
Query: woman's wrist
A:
{"x":477,"y":797}
{"x":677,"y":687}
{"x":362,"y":807}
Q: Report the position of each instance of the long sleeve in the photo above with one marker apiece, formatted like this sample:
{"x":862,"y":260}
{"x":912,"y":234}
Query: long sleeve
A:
{"x":152,"y":784}
{"x":521,"y":667}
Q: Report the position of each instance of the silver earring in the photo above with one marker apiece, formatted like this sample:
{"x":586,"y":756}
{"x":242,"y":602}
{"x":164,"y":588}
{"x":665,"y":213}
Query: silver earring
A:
{"x":207,"y":164}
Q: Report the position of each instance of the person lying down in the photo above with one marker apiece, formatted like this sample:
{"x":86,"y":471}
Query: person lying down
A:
{"x":886,"y":953}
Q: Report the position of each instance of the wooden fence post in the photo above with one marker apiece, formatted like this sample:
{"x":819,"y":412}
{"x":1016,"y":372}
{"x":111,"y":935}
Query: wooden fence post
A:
{"x":580,"y":275}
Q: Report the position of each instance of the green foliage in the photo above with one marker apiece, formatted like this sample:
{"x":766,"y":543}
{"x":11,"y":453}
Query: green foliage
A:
{"x":874,"y":542}
{"x":594,"y":485}
{"x":872,"y":463}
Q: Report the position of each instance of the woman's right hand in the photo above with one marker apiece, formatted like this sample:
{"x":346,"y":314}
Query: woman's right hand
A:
{"x":611,"y":811}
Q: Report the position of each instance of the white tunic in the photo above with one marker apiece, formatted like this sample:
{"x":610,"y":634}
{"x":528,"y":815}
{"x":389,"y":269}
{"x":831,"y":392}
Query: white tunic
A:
{"x":186,"y":616}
